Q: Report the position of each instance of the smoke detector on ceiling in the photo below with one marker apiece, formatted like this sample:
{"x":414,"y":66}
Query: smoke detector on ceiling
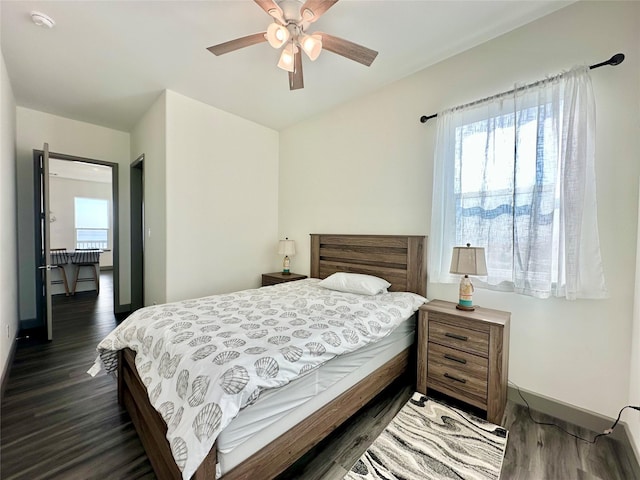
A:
{"x":42,"y":20}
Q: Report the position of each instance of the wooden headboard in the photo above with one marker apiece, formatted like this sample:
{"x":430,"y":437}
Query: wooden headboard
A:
{"x":399,"y":259}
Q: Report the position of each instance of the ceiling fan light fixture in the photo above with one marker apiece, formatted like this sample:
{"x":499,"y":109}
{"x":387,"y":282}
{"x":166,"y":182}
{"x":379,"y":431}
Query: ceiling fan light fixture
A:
{"x":277,"y":35}
{"x":287,"y":58}
{"x":311,"y":45}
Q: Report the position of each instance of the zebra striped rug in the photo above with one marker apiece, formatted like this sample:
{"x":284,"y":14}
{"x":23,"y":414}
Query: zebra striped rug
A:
{"x":429,"y":440}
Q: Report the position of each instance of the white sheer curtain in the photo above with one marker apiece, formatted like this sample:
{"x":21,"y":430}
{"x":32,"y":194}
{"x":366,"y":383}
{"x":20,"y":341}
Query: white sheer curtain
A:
{"x":515,"y":174}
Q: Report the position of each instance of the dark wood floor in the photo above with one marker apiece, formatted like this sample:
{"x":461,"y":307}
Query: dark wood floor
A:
{"x":57,"y":422}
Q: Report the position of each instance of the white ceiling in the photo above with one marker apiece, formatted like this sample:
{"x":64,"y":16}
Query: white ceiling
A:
{"x":79,"y":170}
{"x":105,"y":62}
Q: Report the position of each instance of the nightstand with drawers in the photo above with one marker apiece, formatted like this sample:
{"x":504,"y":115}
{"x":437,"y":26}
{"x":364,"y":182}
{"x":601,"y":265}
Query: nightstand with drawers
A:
{"x":465,"y":355}
{"x":279,"y":277}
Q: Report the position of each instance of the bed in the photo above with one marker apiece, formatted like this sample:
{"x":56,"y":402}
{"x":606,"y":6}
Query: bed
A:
{"x":399,"y":259}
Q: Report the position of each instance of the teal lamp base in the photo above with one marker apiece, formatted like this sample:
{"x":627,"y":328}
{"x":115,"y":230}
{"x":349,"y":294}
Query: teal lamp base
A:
{"x":285,"y":265}
{"x":465,"y":301}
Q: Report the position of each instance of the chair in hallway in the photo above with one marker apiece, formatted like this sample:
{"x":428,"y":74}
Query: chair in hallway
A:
{"x":86,"y":258}
{"x":59,"y":258}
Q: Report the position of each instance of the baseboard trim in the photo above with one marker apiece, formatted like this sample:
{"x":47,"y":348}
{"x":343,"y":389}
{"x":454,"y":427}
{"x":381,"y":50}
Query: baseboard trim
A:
{"x":122,"y":311}
{"x":632,"y":453}
{"x":565,"y":411}
{"x":581,"y":417}
{"x":126,"y":308}
{"x":28,"y":323}
{"x":7,"y":368}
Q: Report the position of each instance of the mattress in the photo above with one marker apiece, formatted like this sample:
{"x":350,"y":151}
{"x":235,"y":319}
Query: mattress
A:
{"x":278,"y":410}
{"x":203,"y":360}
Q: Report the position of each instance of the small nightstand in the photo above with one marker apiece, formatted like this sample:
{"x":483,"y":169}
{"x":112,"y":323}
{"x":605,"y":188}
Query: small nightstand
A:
{"x":279,"y":277}
{"x":465,"y":355}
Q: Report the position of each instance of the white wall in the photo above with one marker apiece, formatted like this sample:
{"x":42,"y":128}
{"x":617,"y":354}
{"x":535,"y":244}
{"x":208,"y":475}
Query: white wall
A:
{"x":8,"y":220}
{"x":222,"y":200}
{"x":69,"y":137}
{"x":149,"y":138}
{"x":62,"y":194}
{"x":633,"y":417}
{"x":367,"y":168}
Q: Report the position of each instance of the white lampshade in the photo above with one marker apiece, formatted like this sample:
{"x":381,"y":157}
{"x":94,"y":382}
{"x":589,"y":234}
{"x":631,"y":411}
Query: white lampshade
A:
{"x":312,"y":45}
{"x":287,"y":58}
{"x":277,"y":35}
{"x":287,"y":247}
{"x":468,"y":261}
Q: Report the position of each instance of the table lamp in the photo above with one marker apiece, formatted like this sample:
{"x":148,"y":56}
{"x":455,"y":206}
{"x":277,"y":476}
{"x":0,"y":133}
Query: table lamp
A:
{"x":286,"y":247}
{"x":467,"y":261}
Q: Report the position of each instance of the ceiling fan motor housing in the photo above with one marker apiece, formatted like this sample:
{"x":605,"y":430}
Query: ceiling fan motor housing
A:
{"x":291,"y":11}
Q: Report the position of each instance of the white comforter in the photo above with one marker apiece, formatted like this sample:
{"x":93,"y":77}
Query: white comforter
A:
{"x":203,"y":360}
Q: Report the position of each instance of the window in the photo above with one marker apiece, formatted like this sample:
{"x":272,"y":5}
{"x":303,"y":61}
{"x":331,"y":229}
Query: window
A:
{"x":495,"y":194}
{"x":92,"y":222}
{"x":515,"y":174}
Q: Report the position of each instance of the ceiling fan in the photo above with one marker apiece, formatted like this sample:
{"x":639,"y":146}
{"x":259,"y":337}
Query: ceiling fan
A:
{"x":292,"y":18}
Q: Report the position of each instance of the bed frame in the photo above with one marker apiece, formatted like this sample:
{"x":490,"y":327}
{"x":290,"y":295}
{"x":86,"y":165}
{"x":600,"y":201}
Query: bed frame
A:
{"x":400,"y":259}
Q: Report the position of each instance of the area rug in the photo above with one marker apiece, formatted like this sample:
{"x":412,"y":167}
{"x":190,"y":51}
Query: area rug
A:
{"x":429,"y":440}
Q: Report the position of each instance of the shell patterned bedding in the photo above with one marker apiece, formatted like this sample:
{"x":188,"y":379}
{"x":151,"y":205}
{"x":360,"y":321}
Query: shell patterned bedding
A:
{"x":203,"y":360}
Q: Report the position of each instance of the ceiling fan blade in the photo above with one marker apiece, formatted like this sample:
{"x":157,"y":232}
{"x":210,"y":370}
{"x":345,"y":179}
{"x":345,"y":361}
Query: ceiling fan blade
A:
{"x":237,"y":44}
{"x":348,"y":49}
{"x":269,"y":6}
{"x":296,"y":80}
{"x":317,"y":7}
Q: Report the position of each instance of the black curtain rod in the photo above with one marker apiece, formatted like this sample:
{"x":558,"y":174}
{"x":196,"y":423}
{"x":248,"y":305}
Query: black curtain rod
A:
{"x":617,"y":59}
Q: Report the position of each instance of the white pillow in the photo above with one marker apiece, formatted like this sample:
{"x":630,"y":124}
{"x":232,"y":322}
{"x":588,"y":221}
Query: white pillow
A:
{"x":355,"y":283}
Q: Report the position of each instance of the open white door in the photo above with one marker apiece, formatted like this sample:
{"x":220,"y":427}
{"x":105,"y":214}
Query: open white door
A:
{"x":44,"y":265}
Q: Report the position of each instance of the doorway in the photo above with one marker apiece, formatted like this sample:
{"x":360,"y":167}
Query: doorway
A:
{"x":79,"y":174}
{"x":136,"y":178}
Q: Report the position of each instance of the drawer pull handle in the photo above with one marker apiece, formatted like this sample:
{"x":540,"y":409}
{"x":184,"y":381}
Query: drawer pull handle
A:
{"x":457,"y":337}
{"x":461,"y":380}
{"x":455,"y":359}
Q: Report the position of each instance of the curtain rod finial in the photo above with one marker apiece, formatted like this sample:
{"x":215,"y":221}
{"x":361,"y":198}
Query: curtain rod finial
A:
{"x":617,"y":59}
{"x":424,"y":118}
